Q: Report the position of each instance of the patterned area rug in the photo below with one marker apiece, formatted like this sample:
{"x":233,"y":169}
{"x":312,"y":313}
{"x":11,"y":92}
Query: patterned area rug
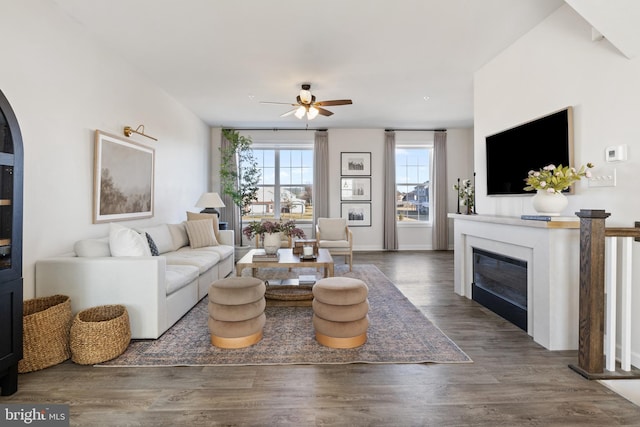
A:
{"x":398,"y":333}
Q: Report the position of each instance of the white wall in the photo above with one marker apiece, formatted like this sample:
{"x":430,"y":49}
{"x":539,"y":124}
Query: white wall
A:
{"x":553,"y":66}
{"x":459,"y":165}
{"x":63,"y":86}
{"x":356,"y":140}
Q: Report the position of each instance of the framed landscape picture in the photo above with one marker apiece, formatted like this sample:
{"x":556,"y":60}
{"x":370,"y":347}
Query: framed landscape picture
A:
{"x":122,"y":178}
{"x":355,"y":188}
{"x":357,"y":214}
{"x":355,"y":164}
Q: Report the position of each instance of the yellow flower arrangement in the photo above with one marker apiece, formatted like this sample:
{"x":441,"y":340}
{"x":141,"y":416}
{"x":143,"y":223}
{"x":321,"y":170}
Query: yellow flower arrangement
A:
{"x":554,"y":179}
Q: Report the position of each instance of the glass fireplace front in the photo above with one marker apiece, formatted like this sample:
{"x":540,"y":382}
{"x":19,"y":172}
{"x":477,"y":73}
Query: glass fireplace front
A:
{"x":500,"y":284}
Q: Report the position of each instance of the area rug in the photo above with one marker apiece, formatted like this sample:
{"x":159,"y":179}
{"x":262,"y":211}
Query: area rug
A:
{"x":398,"y":333}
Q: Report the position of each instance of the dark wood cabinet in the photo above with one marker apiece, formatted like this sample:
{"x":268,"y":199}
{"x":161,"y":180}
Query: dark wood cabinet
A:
{"x":11,"y":172}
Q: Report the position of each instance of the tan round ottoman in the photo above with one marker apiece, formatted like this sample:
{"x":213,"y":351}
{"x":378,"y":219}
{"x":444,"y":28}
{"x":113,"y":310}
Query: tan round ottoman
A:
{"x":236,"y":311}
{"x":340,"y":312}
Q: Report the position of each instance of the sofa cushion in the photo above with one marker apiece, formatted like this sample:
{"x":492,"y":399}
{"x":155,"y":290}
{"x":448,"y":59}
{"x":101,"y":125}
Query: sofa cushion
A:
{"x":179,"y":235}
{"x":201,"y":233}
{"x":204,"y":260}
{"x":124,"y":241}
{"x":327,"y":244}
{"x":332,"y":228}
{"x":179,"y":276}
{"x":192,"y":216}
{"x":92,"y":248}
{"x":225,"y":251}
{"x":161,"y":237}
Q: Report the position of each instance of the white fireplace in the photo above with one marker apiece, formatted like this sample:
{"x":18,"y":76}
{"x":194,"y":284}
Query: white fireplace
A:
{"x":552,"y":253}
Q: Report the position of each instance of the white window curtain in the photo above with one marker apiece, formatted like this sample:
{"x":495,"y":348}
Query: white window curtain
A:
{"x":390,"y":240}
{"x":320,"y":177}
{"x":231,"y":213}
{"x":440,"y":228}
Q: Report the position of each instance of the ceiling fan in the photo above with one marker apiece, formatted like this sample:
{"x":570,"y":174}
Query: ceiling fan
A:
{"x":307,"y":105}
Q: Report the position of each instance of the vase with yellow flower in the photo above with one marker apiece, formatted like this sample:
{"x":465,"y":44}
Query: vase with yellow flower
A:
{"x":549,"y":184}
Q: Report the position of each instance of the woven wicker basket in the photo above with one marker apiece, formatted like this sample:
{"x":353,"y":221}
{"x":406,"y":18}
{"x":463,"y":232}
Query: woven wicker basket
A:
{"x":99,"y":334}
{"x":45,"y":324}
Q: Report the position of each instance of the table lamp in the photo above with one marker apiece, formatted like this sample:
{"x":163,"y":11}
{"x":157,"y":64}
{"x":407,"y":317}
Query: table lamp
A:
{"x":210,"y":202}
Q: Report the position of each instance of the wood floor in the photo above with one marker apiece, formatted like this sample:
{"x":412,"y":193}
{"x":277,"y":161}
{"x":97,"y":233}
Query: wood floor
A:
{"x":512,"y":382}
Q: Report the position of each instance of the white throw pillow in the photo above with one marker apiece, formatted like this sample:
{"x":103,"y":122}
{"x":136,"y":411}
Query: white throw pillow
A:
{"x":124,"y":241}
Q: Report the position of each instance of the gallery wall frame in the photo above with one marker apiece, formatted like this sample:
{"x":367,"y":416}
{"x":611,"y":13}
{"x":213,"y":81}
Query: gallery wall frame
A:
{"x":355,"y":163}
{"x":123,"y":179}
{"x":357,"y":214}
{"x":355,"y":188}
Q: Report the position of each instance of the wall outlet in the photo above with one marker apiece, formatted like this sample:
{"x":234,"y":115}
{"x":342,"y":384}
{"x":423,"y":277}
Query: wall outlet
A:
{"x":603,"y":177}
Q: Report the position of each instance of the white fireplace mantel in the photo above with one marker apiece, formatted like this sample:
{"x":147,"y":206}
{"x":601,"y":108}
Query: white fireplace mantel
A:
{"x":552,"y":252}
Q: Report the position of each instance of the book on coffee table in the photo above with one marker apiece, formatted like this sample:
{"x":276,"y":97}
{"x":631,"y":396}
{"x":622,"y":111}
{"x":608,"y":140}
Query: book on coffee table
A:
{"x":261,"y":255}
{"x":306,"y":279}
{"x":549,"y":218}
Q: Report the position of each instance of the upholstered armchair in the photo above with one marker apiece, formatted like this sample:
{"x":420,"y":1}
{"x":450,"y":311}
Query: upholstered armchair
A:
{"x":334,"y":234}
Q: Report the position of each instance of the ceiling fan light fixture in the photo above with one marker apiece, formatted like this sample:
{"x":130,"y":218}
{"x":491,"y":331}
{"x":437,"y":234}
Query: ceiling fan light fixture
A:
{"x":306,"y":104}
{"x":312,"y":113}
{"x":305,"y":96}
{"x":300,"y":112}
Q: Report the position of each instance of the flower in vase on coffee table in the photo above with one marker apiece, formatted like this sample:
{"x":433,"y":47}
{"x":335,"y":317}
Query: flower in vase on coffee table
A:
{"x":270,"y":232}
{"x":288,"y":228}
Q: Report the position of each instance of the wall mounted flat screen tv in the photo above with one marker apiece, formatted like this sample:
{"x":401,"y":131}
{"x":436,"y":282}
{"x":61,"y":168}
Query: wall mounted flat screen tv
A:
{"x":512,"y":153}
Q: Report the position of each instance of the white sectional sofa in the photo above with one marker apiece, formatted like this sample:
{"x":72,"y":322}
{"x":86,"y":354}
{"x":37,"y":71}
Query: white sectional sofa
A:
{"x":157,"y":290}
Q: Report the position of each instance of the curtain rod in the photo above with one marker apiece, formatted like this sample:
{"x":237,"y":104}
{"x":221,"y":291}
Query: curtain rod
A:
{"x":415,"y":130}
{"x":273,"y":129}
{"x":321,"y":129}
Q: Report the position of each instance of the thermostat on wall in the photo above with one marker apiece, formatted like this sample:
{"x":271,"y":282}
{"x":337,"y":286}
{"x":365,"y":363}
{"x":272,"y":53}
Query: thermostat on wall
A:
{"x":616,"y":153}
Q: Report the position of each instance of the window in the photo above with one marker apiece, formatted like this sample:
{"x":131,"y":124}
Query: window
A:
{"x":286,"y":187}
{"x":412,"y":183}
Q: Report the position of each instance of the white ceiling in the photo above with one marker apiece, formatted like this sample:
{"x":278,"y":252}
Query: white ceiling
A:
{"x":406,"y":64}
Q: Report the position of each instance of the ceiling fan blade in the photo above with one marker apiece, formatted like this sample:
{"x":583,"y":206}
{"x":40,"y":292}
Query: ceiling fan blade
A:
{"x":278,"y":103}
{"x":334,"y":102}
{"x":288,"y":113}
{"x":323,"y":112}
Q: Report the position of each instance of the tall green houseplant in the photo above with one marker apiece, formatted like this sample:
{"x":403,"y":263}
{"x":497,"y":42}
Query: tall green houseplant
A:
{"x":239,"y":172}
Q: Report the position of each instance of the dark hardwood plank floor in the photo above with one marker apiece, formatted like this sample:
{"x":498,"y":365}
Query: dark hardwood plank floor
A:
{"x":512,"y":382}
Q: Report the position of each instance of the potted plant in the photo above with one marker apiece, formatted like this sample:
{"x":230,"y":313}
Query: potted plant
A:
{"x":466,"y":195}
{"x":270,"y":231}
{"x":239,"y":172}
{"x":549,"y":182}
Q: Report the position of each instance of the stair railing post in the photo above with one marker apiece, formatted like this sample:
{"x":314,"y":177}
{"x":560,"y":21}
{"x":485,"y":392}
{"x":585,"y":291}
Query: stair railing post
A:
{"x":591,"y":305}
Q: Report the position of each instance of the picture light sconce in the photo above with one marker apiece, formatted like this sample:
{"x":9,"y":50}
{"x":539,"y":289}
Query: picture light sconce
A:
{"x":128,"y":130}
